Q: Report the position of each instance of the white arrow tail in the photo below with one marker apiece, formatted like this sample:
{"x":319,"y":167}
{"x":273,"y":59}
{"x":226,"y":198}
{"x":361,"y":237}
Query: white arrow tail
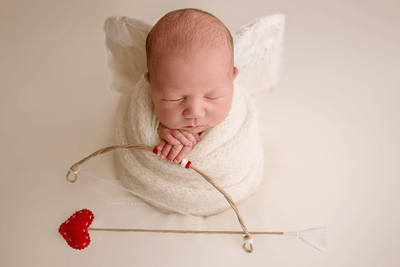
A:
{"x":315,"y":237}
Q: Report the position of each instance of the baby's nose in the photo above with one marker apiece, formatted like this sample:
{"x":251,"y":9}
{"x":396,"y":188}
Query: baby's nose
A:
{"x":194,"y":111}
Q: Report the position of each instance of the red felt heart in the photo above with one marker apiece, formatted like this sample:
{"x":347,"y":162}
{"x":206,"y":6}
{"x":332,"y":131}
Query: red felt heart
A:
{"x":74,"y":230}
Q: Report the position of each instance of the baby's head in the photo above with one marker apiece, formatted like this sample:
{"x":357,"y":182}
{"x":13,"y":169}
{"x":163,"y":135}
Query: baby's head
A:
{"x":190,"y":70}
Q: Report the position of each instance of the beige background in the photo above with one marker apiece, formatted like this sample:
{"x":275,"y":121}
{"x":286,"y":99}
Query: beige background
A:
{"x":330,"y":133}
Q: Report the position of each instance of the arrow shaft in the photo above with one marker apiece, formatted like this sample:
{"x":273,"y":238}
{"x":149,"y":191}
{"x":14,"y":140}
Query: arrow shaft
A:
{"x":181,"y":231}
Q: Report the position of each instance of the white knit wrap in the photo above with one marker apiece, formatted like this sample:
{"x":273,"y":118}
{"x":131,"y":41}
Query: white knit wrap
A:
{"x":230,"y":153}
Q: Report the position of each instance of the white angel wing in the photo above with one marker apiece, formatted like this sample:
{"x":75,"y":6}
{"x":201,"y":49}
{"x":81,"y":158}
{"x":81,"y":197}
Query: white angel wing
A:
{"x":258,"y":53}
{"x":126,"y":52}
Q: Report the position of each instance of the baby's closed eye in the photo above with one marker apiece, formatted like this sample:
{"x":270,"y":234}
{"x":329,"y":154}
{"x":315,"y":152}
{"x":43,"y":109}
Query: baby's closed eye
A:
{"x":184,"y":98}
{"x":174,"y":100}
{"x":213,"y":97}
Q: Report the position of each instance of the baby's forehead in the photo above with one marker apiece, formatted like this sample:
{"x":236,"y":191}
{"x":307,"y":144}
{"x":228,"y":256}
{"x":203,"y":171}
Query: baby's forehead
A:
{"x":204,"y":71}
{"x":212,"y":63}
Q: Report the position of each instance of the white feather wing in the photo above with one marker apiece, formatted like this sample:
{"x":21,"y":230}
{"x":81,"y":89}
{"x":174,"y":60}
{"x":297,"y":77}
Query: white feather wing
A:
{"x":126,"y":52}
{"x":258,"y":53}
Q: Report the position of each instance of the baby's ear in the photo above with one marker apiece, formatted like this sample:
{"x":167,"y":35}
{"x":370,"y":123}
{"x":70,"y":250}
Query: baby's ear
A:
{"x":147,"y":77}
{"x":235,"y":72}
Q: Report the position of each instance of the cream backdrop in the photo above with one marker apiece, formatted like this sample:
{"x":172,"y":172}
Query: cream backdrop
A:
{"x":330,"y":135}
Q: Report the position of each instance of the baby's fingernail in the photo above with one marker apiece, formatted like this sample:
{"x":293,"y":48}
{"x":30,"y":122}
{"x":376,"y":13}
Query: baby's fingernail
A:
{"x":176,"y":161}
{"x":162,"y":157}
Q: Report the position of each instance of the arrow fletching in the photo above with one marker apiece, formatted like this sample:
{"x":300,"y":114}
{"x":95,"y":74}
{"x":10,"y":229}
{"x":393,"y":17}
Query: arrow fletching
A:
{"x":315,"y":237}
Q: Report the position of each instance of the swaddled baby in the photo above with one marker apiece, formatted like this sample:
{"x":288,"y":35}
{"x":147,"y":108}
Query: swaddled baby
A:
{"x":188,"y":92}
{"x":191,"y":73}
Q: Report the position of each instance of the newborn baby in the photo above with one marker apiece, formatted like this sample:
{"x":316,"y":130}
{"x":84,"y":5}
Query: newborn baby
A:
{"x":191,"y":73}
{"x":187,"y":102}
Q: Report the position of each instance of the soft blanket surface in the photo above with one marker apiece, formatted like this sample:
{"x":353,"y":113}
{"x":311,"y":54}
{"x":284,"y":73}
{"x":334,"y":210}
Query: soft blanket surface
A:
{"x":230,"y":153}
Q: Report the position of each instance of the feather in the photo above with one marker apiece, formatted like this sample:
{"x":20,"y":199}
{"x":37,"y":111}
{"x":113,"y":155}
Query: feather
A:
{"x":315,"y":237}
{"x":126,"y":53}
{"x":258,"y":52}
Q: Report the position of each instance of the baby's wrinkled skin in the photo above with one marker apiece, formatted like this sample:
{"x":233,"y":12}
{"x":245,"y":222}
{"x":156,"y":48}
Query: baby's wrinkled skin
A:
{"x":190,"y":95}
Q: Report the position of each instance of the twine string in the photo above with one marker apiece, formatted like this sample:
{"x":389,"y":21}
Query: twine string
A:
{"x":246,"y":241}
{"x":247,"y":237}
{"x":235,"y":209}
{"x":179,"y":231}
{"x":151,"y":200}
{"x":74,"y":168}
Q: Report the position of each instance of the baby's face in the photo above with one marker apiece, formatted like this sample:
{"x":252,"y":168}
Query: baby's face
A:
{"x":192,"y":94}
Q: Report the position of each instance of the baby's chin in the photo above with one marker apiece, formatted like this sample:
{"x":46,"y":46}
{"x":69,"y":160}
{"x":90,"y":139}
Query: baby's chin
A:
{"x":196,"y":129}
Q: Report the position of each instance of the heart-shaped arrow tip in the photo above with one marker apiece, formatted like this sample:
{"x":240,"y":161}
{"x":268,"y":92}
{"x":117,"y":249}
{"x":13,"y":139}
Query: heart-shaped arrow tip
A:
{"x":74,"y":230}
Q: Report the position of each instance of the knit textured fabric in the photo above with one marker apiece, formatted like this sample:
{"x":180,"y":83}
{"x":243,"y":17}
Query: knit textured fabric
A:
{"x":230,"y":153}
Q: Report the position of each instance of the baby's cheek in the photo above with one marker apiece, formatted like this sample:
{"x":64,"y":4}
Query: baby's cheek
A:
{"x":167,"y":113}
{"x":167,"y":117}
{"x":222,"y":111}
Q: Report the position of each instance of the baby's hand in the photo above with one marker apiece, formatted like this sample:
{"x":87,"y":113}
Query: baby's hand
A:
{"x":177,"y":137}
{"x":175,"y":144}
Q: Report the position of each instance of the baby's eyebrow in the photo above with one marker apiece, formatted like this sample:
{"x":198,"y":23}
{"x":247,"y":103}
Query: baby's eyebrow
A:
{"x":214,"y":90}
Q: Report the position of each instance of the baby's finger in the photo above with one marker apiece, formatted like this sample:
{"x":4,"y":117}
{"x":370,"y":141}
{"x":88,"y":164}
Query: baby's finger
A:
{"x":185,"y":138}
{"x":182,"y":154}
{"x":167,"y":136}
{"x":191,"y":137}
{"x":197,"y":136}
{"x":165,"y":151}
{"x":161,"y":145}
{"x":174,"y":152}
